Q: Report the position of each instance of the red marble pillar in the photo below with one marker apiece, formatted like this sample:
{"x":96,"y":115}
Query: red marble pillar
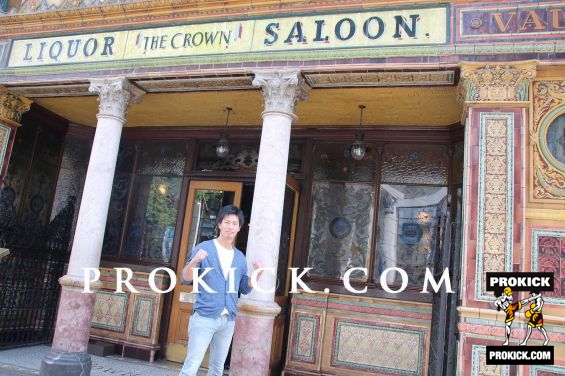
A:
{"x":68,"y":354}
{"x":251,"y":348}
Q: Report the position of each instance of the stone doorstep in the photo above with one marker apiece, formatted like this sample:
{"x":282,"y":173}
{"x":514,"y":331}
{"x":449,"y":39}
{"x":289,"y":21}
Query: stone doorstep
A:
{"x":100,"y":348}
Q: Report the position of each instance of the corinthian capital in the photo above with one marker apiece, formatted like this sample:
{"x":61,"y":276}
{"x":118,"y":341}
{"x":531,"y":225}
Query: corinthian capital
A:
{"x":12,"y":107}
{"x":281,"y":89}
{"x":115,"y":95}
{"x":496,"y":82}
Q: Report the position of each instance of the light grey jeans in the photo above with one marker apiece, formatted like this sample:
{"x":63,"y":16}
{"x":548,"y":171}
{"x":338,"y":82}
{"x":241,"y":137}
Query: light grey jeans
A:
{"x":204,"y":331}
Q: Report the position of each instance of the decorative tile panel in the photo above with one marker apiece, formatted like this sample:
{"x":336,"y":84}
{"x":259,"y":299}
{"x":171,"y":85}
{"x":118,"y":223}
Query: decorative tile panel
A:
{"x":334,"y":334}
{"x":548,"y":255}
{"x":380,"y":79}
{"x":58,"y":90}
{"x":479,"y":366}
{"x":129,"y":319}
{"x":355,"y":343}
{"x":143,"y":312}
{"x":196,"y":84}
{"x":110,"y":311}
{"x":495,"y":197}
{"x":305,"y":338}
{"x":547,"y":371}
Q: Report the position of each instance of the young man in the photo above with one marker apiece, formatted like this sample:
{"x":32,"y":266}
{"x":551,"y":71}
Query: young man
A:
{"x":221,"y":273}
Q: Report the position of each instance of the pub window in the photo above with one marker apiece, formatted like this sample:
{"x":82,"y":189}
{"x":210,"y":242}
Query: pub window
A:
{"x":342,"y":212}
{"x":352,"y":226}
{"x":147,"y":187}
{"x":412,"y":203}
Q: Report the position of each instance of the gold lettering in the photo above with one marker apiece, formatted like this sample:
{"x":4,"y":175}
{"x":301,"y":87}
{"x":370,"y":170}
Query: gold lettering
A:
{"x":532,"y":19}
{"x":498,"y":19}
{"x":555,"y":19}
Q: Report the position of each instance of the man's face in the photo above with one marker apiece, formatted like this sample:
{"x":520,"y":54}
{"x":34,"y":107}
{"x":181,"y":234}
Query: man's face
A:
{"x":229,"y":226}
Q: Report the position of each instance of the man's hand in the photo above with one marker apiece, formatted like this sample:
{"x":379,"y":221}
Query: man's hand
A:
{"x":199,"y":256}
{"x":187,"y":271}
{"x":256,"y":265}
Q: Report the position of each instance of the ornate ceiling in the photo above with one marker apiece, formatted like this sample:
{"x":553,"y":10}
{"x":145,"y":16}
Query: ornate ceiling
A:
{"x":421,"y":98}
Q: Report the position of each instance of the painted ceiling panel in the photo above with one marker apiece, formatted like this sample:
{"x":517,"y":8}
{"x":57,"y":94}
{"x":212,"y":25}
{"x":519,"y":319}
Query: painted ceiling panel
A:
{"x":327,"y":107}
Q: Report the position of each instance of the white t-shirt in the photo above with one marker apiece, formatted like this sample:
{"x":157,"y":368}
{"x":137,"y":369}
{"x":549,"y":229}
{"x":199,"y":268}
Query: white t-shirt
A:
{"x":226,"y":257}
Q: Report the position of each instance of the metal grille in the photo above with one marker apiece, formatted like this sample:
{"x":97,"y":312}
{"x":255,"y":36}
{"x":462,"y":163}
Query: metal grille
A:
{"x":29,"y":291}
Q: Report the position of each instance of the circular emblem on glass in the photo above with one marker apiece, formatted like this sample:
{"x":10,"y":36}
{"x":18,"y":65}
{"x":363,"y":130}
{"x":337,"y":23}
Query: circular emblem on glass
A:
{"x":340,"y":227}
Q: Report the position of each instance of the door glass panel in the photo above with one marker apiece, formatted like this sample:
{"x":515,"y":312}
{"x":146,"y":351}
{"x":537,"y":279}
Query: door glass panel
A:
{"x":207,"y":203}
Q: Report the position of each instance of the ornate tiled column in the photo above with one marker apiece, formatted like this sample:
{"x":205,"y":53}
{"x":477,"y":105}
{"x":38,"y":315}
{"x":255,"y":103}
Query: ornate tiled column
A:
{"x":68,"y":354}
{"x":496,"y":103}
{"x":12,"y":108}
{"x":251,"y":347}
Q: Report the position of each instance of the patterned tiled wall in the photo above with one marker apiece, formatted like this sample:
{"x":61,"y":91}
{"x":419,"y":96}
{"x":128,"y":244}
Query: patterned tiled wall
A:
{"x":548,"y":255}
{"x":131,"y":319}
{"x":344,"y":335}
{"x":493,"y":200}
{"x":480,"y":367}
{"x":546,"y":371}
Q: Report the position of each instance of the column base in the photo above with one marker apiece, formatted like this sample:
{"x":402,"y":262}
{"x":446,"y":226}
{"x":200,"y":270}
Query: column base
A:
{"x":252,"y":341}
{"x":65,"y":364}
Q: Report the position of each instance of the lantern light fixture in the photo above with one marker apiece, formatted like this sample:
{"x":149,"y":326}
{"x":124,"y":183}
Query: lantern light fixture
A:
{"x":357,"y":149}
{"x":223,"y":146}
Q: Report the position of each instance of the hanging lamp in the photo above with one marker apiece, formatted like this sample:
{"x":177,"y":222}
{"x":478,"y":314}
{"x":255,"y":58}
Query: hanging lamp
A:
{"x":223,"y":146}
{"x":357,"y":149}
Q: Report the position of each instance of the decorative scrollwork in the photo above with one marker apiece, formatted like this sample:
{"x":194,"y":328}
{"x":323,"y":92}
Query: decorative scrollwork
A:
{"x":548,"y":175}
{"x":12,"y":107}
{"x":508,"y":82}
{"x":549,"y":183}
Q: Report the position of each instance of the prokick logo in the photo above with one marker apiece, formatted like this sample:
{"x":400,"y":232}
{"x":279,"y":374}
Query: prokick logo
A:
{"x":504,"y":285}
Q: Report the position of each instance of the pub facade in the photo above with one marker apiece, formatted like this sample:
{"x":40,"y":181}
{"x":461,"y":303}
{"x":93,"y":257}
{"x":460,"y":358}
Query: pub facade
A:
{"x":387,"y":155}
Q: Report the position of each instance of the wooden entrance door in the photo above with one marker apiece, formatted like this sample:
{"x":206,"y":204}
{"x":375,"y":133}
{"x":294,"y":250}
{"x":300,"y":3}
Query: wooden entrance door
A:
{"x":205,"y":198}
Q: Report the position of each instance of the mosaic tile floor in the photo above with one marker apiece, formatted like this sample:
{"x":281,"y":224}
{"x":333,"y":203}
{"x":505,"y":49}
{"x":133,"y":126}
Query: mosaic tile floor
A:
{"x":26,"y":361}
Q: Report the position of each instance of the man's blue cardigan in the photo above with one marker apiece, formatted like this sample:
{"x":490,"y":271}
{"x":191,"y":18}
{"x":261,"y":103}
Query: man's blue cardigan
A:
{"x":211,"y":304}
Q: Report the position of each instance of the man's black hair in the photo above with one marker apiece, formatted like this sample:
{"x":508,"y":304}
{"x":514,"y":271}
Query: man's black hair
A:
{"x":228,"y":210}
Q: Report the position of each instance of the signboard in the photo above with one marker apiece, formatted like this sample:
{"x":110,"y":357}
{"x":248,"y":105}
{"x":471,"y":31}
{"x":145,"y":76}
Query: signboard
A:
{"x":368,"y":29}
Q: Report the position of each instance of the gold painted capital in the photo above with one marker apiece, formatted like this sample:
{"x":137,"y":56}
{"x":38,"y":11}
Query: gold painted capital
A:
{"x":496,"y":82}
{"x":12,"y":107}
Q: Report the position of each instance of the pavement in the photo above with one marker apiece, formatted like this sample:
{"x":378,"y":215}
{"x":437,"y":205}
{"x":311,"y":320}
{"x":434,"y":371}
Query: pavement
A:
{"x":26,"y":361}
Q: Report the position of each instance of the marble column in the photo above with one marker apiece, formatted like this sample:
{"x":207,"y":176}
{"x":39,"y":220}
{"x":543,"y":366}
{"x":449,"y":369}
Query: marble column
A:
{"x":251,"y":347}
{"x":12,"y":107}
{"x":68,"y":354}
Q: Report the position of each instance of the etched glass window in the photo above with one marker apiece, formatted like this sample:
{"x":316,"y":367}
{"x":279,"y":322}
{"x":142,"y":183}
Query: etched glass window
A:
{"x":408,"y":232}
{"x":414,"y":164}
